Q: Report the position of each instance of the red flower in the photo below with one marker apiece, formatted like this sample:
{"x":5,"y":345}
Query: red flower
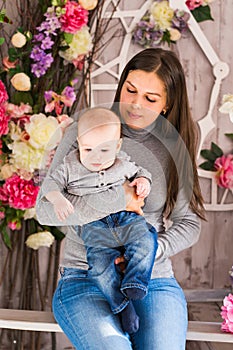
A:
{"x":74,"y":18}
{"x":3,"y":93}
{"x":4,"y":119}
{"x":20,"y":193}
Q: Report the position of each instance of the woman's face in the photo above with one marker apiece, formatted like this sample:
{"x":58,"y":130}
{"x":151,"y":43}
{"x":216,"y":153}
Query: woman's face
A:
{"x":143,"y":97}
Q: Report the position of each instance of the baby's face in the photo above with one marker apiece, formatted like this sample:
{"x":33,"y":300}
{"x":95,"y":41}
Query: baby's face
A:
{"x":98,"y":148}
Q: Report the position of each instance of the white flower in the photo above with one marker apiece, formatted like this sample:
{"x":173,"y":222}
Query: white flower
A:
{"x":174,"y":34}
{"x":227,"y":106}
{"x":27,"y":158}
{"x":18,"y":40}
{"x":40,"y":239}
{"x":162,"y":13}
{"x":88,"y":4}
{"x":29,"y":214}
{"x":81,"y":44}
{"x":21,"y":82}
{"x":44,"y":132}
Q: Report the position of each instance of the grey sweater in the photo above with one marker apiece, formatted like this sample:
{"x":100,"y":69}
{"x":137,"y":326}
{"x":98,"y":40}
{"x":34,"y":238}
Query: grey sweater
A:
{"x":148,"y":149}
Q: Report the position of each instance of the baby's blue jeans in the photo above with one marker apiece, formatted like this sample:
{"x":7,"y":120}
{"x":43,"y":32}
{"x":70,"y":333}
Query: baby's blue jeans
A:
{"x":86,"y":318}
{"x":139,"y":240}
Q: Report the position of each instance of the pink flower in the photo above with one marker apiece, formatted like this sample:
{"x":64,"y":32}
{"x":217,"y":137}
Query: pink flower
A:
{"x":14,"y":225}
{"x":18,"y":111}
{"x":3,"y":93}
{"x":227,"y":314}
{"x":74,"y":18}
{"x":2,"y":215}
{"x":192,"y":4}
{"x":4,"y":119}
{"x":8,"y":64}
{"x":21,"y":194}
{"x":224,"y":171}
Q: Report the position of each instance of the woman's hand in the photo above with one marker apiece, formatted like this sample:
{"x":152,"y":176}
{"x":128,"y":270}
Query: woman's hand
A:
{"x":133,"y":201}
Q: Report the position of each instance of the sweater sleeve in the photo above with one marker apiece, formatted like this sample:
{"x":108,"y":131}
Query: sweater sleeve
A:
{"x":182,"y":233}
{"x":83,"y":206}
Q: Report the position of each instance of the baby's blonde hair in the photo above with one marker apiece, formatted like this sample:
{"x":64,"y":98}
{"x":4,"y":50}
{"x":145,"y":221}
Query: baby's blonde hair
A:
{"x":98,"y":117}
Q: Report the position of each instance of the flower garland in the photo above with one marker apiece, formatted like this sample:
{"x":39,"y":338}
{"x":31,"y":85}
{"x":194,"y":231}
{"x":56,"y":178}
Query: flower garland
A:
{"x":161,"y":24}
{"x":40,"y":79}
{"x":216,"y":161}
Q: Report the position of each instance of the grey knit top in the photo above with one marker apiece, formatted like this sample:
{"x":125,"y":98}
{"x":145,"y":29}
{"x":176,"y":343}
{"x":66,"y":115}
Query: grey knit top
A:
{"x":151,"y":149}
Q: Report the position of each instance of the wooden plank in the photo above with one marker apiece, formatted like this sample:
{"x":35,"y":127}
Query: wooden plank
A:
{"x":28,"y":320}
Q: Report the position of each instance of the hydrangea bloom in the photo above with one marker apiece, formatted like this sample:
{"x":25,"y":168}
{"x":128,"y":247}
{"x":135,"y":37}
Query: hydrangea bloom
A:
{"x":4,"y":119}
{"x":40,"y":239}
{"x":227,"y":314}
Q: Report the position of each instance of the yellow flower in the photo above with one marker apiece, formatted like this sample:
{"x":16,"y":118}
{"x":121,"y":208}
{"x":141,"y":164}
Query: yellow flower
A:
{"x":162,"y":14}
{"x":18,"y":40}
{"x":81,"y":44}
{"x":40,"y":239}
{"x":21,"y":82}
{"x":27,"y":158}
{"x":88,"y":4}
{"x":174,"y":34}
{"x":44,"y":132}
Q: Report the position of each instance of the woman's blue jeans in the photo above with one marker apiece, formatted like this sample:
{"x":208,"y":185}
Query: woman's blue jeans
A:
{"x":86,"y":318}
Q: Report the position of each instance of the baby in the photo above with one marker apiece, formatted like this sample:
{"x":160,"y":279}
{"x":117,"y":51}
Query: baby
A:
{"x":96,"y":166}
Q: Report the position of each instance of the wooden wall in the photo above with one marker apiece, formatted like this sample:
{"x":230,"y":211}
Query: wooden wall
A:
{"x":205,"y":265}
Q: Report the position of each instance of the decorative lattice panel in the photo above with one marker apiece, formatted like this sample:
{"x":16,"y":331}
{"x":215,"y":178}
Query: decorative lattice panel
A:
{"x":108,"y":67}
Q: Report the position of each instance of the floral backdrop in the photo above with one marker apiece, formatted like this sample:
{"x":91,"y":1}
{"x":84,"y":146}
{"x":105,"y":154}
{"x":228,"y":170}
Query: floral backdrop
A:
{"x":47,"y":52}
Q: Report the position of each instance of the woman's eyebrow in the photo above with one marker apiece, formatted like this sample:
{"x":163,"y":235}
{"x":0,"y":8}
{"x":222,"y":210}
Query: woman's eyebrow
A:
{"x":147,"y":92}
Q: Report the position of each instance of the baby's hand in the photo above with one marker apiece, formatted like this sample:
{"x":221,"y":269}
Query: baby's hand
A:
{"x":142,"y":186}
{"x":63,"y":208}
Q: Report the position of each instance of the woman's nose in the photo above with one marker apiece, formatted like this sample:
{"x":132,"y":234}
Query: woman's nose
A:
{"x":136,"y":102}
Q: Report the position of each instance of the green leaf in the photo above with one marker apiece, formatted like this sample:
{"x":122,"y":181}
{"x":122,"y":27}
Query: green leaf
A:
{"x":2,"y":40}
{"x":68,"y":38}
{"x":6,"y":238}
{"x":230,"y":136}
{"x":21,"y":96}
{"x":208,"y":154}
{"x":216,"y":150}
{"x":207,"y":166}
{"x":202,"y":13}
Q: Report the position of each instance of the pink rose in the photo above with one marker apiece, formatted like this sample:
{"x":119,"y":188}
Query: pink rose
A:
{"x":227,"y":314}
{"x":21,"y":193}
{"x":3,"y":93}
{"x":74,"y":18}
{"x":192,"y":4}
{"x":224,"y":171}
{"x":4,"y":119}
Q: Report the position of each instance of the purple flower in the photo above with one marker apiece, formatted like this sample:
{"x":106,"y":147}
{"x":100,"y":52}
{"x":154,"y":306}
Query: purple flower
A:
{"x":47,"y":43}
{"x":180,"y":20}
{"x":69,"y":93}
{"x":48,"y":96}
{"x":37,"y":54}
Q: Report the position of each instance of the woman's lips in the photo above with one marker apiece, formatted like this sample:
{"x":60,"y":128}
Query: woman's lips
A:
{"x":134,"y":115}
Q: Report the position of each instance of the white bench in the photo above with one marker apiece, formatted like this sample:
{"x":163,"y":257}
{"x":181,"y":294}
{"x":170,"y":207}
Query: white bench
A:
{"x":43,"y":321}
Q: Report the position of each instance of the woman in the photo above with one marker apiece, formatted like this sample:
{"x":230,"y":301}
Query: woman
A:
{"x":158,"y":134}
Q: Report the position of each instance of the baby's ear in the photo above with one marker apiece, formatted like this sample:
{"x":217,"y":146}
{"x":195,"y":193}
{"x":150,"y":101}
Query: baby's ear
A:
{"x":119,"y":145}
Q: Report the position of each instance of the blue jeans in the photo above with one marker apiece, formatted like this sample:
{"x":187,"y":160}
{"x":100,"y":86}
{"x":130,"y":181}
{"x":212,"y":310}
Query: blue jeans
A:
{"x":85,"y":316}
{"x":103,"y":237}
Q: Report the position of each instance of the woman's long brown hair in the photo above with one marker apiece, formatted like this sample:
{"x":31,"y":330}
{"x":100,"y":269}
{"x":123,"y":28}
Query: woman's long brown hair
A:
{"x":168,"y":68}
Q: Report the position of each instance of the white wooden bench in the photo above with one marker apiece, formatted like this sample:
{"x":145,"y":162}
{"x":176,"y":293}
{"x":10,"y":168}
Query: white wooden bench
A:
{"x":43,"y":321}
